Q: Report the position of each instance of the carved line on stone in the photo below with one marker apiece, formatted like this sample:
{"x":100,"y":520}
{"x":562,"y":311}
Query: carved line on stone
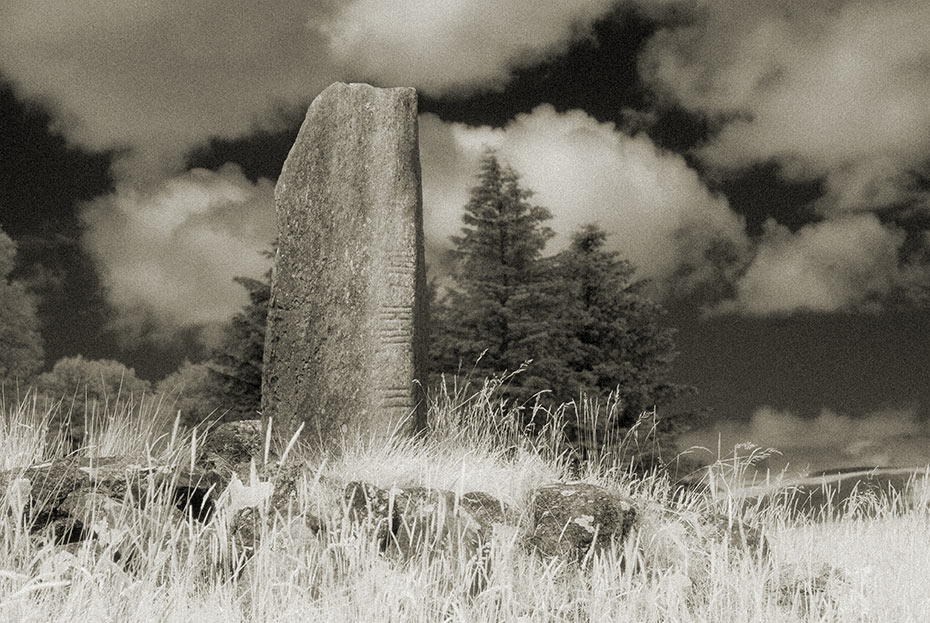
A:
{"x":399,"y":278}
{"x":379,"y":395}
{"x":394,"y":342}
{"x":393,"y":322}
{"x":394,"y":327}
{"x":397,"y":403}
{"x":386,"y":321}
{"x":393,"y":404}
{"x":394,"y":391}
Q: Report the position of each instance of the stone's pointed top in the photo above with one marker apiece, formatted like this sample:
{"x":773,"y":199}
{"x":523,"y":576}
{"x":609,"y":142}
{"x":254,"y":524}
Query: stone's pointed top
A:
{"x":354,"y":123}
{"x":364,"y":85}
{"x":365,"y":88}
{"x":345,"y":346}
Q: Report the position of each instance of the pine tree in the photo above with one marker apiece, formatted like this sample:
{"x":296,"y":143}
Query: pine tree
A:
{"x":236,"y":365}
{"x":21,"y":351}
{"x":493,"y":307}
{"x":610,"y":336}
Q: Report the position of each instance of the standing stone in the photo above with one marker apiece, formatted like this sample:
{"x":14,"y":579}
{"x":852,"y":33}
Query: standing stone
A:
{"x":345,"y":342}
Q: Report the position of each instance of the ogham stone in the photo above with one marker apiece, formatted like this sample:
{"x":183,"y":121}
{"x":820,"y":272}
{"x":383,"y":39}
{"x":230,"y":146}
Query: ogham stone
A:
{"x":345,"y":343}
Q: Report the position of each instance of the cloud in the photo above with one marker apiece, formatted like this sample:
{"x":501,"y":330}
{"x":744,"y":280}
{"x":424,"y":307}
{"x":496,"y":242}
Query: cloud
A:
{"x":839,"y":264}
{"x":457,"y":44}
{"x":838,"y":92}
{"x":167,"y":255}
{"x":658,"y":212}
{"x":894,"y":437}
{"x":159,"y":78}
{"x":154,"y":80}
{"x":827,"y":89}
{"x":168,"y":252}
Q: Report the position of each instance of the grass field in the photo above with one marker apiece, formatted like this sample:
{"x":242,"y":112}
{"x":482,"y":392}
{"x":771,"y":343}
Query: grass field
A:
{"x":853,"y":566}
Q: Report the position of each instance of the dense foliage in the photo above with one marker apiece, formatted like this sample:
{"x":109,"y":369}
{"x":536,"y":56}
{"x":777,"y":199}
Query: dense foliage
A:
{"x":21,"y":351}
{"x":493,"y":311}
{"x":92,"y":380}
{"x":609,"y":333}
{"x":579,"y":316}
{"x":236,"y":365}
{"x":192,"y":390}
{"x":89,"y":388}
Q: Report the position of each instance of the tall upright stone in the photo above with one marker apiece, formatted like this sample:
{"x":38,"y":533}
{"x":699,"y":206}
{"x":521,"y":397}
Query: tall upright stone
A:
{"x":345,"y":343}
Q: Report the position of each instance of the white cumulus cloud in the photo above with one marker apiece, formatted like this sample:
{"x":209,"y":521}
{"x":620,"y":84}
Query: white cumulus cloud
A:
{"x":893,"y":437}
{"x":834,"y":90}
{"x":155,"y":80}
{"x":158,"y":78}
{"x":837,"y":265}
{"x":658,"y":212}
{"x":168,"y":255}
{"x":456,"y":44}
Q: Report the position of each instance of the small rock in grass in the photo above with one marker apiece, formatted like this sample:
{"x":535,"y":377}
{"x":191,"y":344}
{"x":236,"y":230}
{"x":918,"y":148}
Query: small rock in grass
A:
{"x":570,"y":520}
{"x":416,"y":519}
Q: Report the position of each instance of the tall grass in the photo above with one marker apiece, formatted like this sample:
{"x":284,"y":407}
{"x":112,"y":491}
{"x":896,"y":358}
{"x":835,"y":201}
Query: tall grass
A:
{"x":675,"y":566}
{"x":38,"y":427}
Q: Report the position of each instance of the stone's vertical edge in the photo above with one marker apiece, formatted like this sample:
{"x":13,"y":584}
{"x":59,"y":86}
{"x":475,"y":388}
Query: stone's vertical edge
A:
{"x":346,"y":324}
{"x":421,"y":303}
{"x":394,"y":285}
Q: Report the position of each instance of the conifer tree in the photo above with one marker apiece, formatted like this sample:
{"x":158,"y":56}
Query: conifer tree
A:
{"x":493,"y":308}
{"x":610,"y":335}
{"x":236,"y":366}
{"x":234,"y":381}
{"x":579,"y":316}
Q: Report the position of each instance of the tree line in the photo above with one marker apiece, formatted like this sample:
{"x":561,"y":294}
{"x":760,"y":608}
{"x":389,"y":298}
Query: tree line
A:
{"x":577,"y":318}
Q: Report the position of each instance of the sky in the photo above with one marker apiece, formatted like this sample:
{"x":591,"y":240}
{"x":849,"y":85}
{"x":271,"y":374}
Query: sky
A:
{"x":764,"y":163}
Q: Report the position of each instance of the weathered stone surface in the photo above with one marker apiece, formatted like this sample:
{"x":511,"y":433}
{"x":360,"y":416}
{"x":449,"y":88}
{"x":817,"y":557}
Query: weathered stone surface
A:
{"x":416,"y":519}
{"x":346,"y":323}
{"x":570,"y":520}
{"x":366,"y":502}
{"x":280,"y":505}
{"x":57,"y":494}
{"x":231,"y":446}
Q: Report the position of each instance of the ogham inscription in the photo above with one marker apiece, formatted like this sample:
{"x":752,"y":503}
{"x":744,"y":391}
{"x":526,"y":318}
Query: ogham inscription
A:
{"x":345,"y":344}
{"x":394,"y":329}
